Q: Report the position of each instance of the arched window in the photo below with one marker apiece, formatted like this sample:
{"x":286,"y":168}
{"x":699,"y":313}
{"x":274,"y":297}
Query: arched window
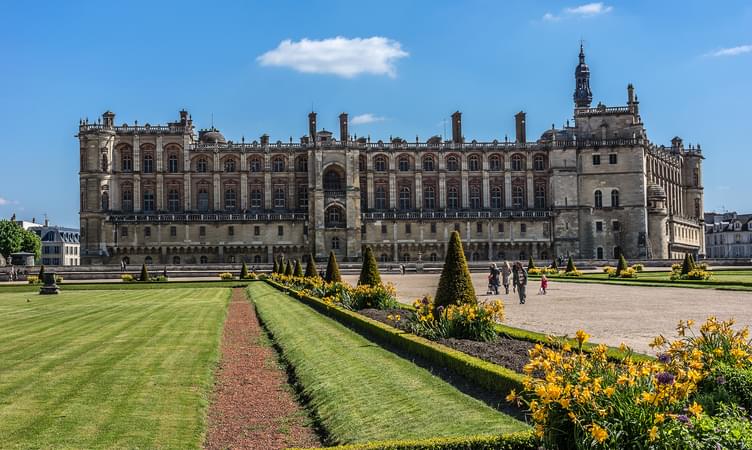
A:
{"x":379,"y":164}
{"x":617,"y":252}
{"x":229,"y":165}
{"x":334,"y":217}
{"x":473,"y":163}
{"x":279,"y":198}
{"x":173,"y":200}
{"x":172,"y":163}
{"x":278,"y":164}
{"x":203,"y":259}
{"x":475,"y":197}
{"x":452,"y":163}
{"x":429,"y":197}
{"x":332,"y":180}
{"x":203,"y":199}
{"x":494,"y":163}
{"x":518,"y":197}
{"x":614,"y":198}
{"x":230,"y":199}
{"x":384,"y":257}
{"x":148,"y":164}
{"x":599,"y":253}
{"x":539,"y":163}
{"x":598,"y":199}
{"x":434,"y":257}
{"x":453,"y":197}
{"x":256,"y":259}
{"x":697,"y":210}
{"x":496,"y":198}
{"x":257,"y":198}
{"x":202,"y":166}
{"x":380,"y":198}
{"x":428,"y":164}
{"x":302,"y":164}
{"x":105,"y":201}
{"x":404,"y":163}
{"x":175,"y":260}
{"x":104,"y":163}
{"x":148,"y":200}
{"x":362,"y":164}
{"x":255,"y":165}
{"x":148,"y":260}
{"x":302,"y":196}
{"x":404,"y":198}
{"x":405,"y":257}
{"x":127,"y":163}
{"x":127,"y":200}
{"x":335,"y":243}
{"x":516,"y":162}
{"x":540,"y":195}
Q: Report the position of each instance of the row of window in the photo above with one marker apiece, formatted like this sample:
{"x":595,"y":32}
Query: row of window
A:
{"x":599,"y":198}
{"x":202,"y":231}
{"x":202,"y":164}
{"x":404,"y":163}
{"x":612,"y":159}
{"x":453,"y":197}
{"x":616,"y":253}
{"x":457,"y":227}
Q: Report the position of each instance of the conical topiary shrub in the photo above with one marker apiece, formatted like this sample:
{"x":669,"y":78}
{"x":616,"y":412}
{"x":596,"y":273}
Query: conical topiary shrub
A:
{"x":692,"y":263}
{"x":555,"y":265}
{"x":369,"y":271}
{"x":455,"y":284}
{"x":622,"y":265}
{"x":570,"y":265}
{"x":311,"y":270}
{"x":144,"y":273}
{"x":332,"y":270}
{"x":288,"y":268}
{"x":298,"y":271}
{"x":244,"y":271}
{"x":275,"y":269}
{"x":281,"y":265}
{"x":530,"y":263}
{"x":686,"y":264}
{"x":41,"y":274}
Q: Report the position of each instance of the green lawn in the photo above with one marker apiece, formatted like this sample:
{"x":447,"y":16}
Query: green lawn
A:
{"x":94,"y":369}
{"x":362,"y":392}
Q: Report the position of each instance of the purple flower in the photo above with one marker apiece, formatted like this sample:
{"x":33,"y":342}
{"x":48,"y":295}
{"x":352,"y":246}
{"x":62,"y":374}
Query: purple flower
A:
{"x":440,"y":309}
{"x":665,"y":358}
{"x":682,"y":418}
{"x":665,"y":378}
{"x":720,"y":379}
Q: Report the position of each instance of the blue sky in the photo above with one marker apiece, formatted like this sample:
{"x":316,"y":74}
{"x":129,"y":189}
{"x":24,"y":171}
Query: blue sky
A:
{"x":690,"y":62}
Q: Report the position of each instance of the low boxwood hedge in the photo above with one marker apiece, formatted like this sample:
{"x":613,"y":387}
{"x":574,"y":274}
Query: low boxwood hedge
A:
{"x":489,"y":376}
{"x":512,"y":441}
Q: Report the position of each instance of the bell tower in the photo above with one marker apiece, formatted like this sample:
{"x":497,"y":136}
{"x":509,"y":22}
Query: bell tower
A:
{"x":583,"y":97}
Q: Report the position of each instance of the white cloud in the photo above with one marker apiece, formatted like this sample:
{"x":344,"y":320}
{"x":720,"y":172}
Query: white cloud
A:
{"x":338,"y":56}
{"x":5,"y":201}
{"x":366,"y":118}
{"x":586,"y":10}
{"x":732,"y":51}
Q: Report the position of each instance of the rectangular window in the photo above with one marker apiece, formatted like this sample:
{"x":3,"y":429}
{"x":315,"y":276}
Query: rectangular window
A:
{"x":408,"y":228}
{"x":123,"y":231}
{"x":147,"y":231}
{"x":456,"y":227}
{"x":433,"y":227}
{"x":383,"y":229}
{"x":596,"y":160}
{"x":256,"y":230}
{"x":280,"y":230}
{"x":616,"y":225}
{"x":523,"y":228}
{"x":479,"y":227}
{"x":501,"y":228}
{"x":202,"y":231}
{"x":231,"y":230}
{"x":598,"y":226}
{"x":612,"y":158}
{"x":173,"y":231}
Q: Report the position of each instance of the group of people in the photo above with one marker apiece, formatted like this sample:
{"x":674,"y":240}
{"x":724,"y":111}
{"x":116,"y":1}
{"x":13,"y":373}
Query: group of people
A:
{"x":519,"y":280}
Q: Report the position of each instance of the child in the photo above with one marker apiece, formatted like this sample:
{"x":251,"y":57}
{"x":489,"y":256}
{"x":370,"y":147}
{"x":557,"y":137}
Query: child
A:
{"x":543,"y":286}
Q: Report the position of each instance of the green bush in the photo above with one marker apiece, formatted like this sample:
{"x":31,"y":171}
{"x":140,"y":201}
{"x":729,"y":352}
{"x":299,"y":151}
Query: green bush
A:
{"x":127,"y":278}
{"x":523,"y":440}
{"x":570,"y":265}
{"x":332,"y":269}
{"x":622,"y":265}
{"x":40,"y":277}
{"x":555,"y":264}
{"x":288,"y":268}
{"x":311,"y":270}
{"x":686,"y":265}
{"x":298,"y":271}
{"x":33,"y":279}
{"x":244,"y":271}
{"x":638,"y":267}
{"x":726,"y":385}
{"x":530,"y":263}
{"x":226,"y":276}
{"x":455,"y":284}
{"x":144,"y":273}
{"x":275,"y":268}
{"x":369,"y":271}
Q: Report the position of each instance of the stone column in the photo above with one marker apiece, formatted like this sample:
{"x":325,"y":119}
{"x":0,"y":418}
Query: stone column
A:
{"x":507,"y":189}
{"x":392,"y":190}
{"x":530,"y":191}
{"x":442,"y":190}
{"x":418,"y":190}
{"x":267,"y":183}
{"x":217,"y":191}
{"x":159,"y":154}
{"x":160,"y":192}
{"x":243,"y":190}
{"x":136,"y":192}
{"x":136,"y":153}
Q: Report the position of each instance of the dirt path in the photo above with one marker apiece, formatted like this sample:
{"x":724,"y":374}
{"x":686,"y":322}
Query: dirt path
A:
{"x":253,"y":406}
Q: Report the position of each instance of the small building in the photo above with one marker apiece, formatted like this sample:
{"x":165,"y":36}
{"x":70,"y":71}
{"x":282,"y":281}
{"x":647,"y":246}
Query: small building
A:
{"x":60,"y":245}
{"x":728,"y":235}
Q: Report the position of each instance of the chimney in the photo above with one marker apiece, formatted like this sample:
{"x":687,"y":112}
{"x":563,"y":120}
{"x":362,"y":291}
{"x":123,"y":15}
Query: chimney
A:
{"x":312,"y":127}
{"x":183,"y":117}
{"x":343,"y":136}
{"x":108,"y":119}
{"x":46,"y":222}
{"x":519,"y":126}
{"x":630,"y":94}
{"x":457,"y":127}
{"x":265,"y":139}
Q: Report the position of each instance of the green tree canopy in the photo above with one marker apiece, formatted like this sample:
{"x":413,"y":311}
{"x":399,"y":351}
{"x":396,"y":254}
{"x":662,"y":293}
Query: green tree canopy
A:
{"x":455,"y":284}
{"x":369,"y":271}
{"x":332,"y":269}
{"x":13,"y":238}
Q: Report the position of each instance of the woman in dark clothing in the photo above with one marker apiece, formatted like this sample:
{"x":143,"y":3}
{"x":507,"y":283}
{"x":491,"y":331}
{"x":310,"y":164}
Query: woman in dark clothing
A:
{"x":493,"y":279}
{"x":515,"y":277}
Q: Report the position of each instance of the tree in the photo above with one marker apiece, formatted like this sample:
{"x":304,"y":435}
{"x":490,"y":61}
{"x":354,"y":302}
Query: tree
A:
{"x":31,"y":243}
{"x":570,"y":265}
{"x":530,"y":263}
{"x":455,"y":284}
{"x":275,"y":269}
{"x":298,"y":271}
{"x":311,"y":270}
{"x":144,"y":273}
{"x":555,"y":265}
{"x":288,"y":268}
{"x":41,"y":272}
{"x":332,"y":269}
{"x":369,"y":271}
{"x":14,"y":239}
{"x":622,"y":265}
{"x":244,"y":271}
{"x":686,"y":264}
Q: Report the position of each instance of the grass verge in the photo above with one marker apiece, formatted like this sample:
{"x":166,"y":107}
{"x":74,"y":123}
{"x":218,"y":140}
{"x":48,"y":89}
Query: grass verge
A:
{"x":361,"y":392}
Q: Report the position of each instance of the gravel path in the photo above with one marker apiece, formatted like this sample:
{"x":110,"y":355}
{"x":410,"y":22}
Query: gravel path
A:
{"x":253,"y":407}
{"x":612,"y":314}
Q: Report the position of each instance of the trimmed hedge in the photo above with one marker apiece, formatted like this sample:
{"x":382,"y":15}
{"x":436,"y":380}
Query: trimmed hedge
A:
{"x":311,"y":270}
{"x":492,"y":377}
{"x":332,"y":269}
{"x":369,"y":271}
{"x":455,"y":283}
{"x":524,"y":440}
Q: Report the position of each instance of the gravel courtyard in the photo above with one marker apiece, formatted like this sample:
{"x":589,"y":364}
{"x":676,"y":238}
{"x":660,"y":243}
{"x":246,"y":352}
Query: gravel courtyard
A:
{"x":611,"y":314}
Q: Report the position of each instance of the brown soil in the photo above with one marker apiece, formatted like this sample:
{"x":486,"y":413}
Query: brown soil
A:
{"x":506,"y":352}
{"x":253,"y":406}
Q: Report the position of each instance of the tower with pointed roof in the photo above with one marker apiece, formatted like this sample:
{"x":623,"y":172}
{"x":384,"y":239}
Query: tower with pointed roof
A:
{"x":582,"y":94}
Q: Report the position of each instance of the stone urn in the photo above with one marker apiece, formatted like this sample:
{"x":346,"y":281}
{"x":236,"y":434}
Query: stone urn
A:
{"x":50,"y":286}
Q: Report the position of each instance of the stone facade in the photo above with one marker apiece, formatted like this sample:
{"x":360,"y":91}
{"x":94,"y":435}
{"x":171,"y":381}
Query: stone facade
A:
{"x":163,"y":194}
{"x":728,"y":235}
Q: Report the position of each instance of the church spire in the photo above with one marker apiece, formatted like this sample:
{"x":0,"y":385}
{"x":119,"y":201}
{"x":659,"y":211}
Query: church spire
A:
{"x":582,"y":94}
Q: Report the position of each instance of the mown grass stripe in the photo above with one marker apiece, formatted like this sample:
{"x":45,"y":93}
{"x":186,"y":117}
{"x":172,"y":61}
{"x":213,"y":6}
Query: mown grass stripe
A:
{"x":362,"y":392}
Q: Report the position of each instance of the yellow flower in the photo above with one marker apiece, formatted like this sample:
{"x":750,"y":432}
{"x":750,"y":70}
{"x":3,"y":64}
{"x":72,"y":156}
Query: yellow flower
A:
{"x":582,"y":337}
{"x":695,"y":409}
{"x":598,"y":433}
{"x":653,"y":434}
{"x":659,"y":418}
{"x":609,"y":391}
{"x":512,"y":397}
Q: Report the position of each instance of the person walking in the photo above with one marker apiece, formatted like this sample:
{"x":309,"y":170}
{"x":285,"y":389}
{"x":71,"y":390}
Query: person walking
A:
{"x":402,"y":268}
{"x":506,"y":272}
{"x":521,"y":282}
{"x":493,"y":279}
{"x":543,"y":285}
{"x":515,"y":277}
